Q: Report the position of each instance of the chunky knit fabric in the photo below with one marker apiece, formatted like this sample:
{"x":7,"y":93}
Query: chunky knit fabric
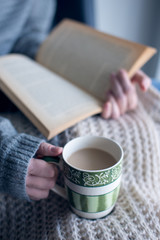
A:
{"x":16,"y":150}
{"x":137,"y":212}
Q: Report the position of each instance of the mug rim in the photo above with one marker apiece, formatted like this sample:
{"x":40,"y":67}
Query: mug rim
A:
{"x":99,"y":170}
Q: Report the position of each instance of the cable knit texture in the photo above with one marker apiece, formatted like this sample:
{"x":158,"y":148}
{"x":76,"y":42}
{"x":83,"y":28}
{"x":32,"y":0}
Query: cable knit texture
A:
{"x":137,"y":211}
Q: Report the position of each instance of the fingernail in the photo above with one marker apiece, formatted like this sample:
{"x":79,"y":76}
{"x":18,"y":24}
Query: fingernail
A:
{"x":106,"y":105}
{"x":54,"y":148}
{"x":106,"y":110}
{"x":143,"y":86}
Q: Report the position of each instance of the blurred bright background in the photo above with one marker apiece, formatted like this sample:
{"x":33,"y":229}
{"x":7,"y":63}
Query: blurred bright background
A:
{"x":137,"y":20}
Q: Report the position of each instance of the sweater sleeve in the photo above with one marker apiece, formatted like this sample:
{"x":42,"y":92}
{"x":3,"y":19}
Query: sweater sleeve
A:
{"x":36,"y":28}
{"x":16,"y":150}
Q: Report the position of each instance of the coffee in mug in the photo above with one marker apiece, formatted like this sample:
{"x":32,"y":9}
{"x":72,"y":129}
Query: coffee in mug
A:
{"x":91,"y":159}
{"x":92,"y":168}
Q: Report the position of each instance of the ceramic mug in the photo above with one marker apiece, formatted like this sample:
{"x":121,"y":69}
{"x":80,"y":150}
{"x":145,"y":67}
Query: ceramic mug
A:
{"x":91,"y":194}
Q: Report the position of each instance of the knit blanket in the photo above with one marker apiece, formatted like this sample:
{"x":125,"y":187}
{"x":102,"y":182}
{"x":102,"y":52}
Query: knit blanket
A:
{"x":137,"y":211}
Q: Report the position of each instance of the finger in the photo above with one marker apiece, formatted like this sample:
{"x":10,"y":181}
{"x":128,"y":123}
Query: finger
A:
{"x":124,"y":80}
{"x":118,"y":94}
{"x":142,"y":79}
{"x":107,"y":110}
{"x":129,"y":90}
{"x":115,"y":109}
{"x":41,"y":168}
{"x":40,"y":182}
{"x":37,"y":194}
{"x":132,"y":99}
{"x":46,"y":149}
{"x":115,"y":86}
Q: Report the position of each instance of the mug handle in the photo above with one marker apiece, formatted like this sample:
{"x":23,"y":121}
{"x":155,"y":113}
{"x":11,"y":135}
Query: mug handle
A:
{"x":57,"y":161}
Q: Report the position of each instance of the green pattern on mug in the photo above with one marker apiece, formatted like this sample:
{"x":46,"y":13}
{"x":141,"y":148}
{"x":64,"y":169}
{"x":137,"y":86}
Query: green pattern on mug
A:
{"x":93,"y":204}
{"x":92,"y":179}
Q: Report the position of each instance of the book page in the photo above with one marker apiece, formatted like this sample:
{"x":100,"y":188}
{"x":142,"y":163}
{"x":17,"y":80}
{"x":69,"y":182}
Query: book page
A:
{"x":53,"y":101}
{"x":86,"y":57}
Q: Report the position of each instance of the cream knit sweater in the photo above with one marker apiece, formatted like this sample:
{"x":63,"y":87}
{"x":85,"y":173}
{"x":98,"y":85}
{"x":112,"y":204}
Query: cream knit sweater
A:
{"x":137,"y":212}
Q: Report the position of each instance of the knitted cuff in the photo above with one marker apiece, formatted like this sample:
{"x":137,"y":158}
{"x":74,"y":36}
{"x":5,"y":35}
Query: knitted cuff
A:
{"x":17,"y":152}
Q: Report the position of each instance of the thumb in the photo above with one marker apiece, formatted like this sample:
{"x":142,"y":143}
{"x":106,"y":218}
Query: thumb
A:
{"x":46,"y":149}
{"x":142,"y":79}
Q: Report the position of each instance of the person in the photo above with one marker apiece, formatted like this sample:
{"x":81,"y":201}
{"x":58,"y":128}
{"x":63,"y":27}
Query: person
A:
{"x":23,"y":27}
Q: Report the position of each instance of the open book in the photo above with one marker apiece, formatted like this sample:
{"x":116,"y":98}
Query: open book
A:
{"x":69,"y":78}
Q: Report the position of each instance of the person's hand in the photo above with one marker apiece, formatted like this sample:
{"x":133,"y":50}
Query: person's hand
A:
{"x":41,"y":176}
{"x":122,"y":97}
